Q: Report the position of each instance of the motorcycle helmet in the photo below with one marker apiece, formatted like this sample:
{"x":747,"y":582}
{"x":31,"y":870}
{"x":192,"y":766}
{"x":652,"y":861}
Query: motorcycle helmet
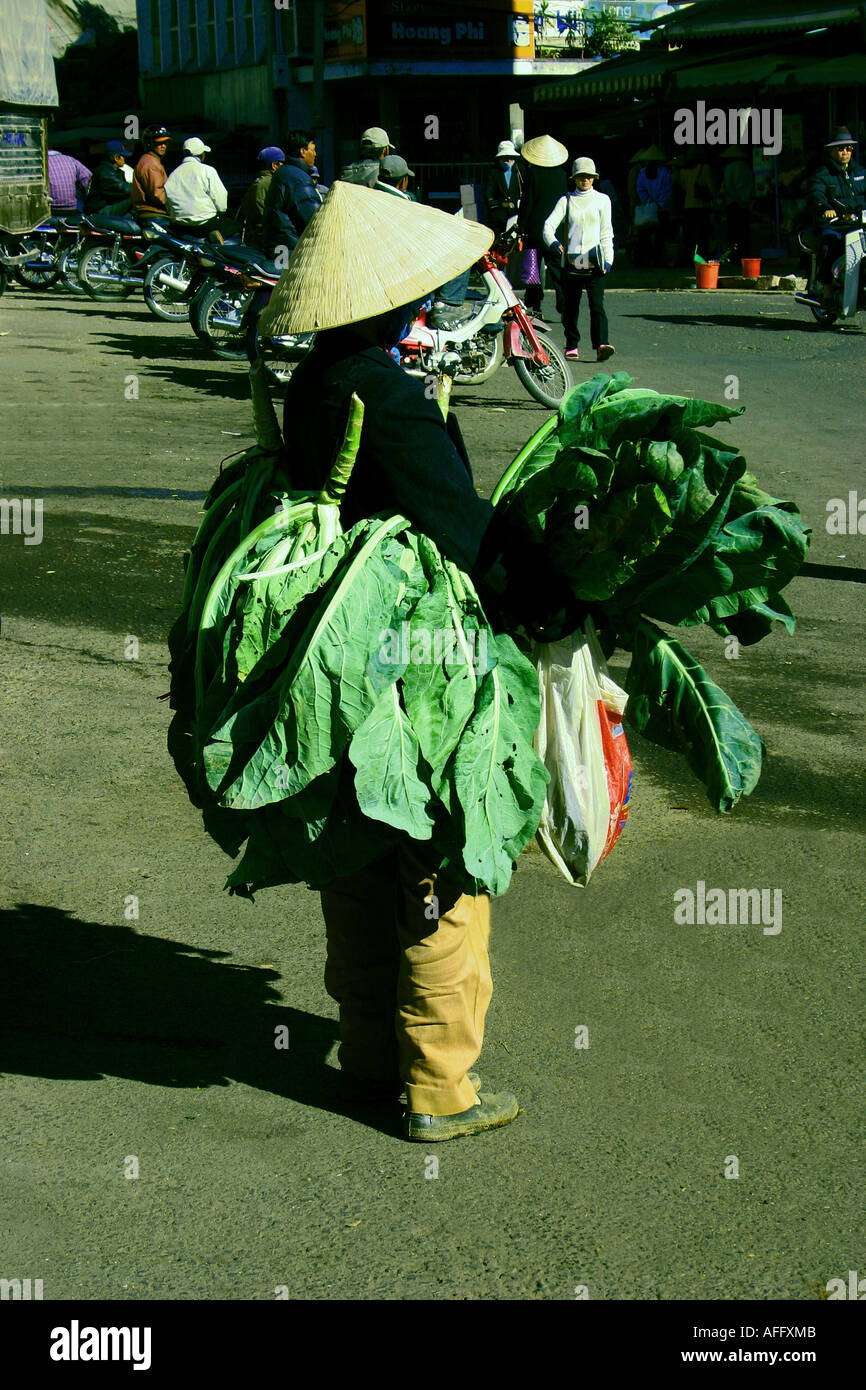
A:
{"x":152,"y":134}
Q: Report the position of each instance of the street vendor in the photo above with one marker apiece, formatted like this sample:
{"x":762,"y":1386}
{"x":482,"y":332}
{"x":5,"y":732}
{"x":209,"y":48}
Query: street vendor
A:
{"x":407,"y":956}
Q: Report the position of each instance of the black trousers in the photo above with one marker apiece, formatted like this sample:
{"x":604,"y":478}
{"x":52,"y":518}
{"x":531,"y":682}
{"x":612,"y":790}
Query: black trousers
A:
{"x":549,"y":269}
{"x":573,"y":287}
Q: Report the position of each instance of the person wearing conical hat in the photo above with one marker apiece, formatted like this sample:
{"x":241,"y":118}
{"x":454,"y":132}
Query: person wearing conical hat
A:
{"x":413,"y":992}
{"x":544,"y":184}
{"x":838,"y":188}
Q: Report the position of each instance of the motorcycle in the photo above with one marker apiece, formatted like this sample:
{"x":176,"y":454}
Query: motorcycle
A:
{"x":38,"y":259}
{"x":497,"y":329}
{"x":120,"y":257}
{"x":176,"y":276}
{"x":225,"y":310}
{"x":846,"y":298}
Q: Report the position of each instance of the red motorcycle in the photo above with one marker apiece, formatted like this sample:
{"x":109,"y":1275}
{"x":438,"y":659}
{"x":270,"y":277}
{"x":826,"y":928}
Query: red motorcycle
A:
{"x":490,"y":328}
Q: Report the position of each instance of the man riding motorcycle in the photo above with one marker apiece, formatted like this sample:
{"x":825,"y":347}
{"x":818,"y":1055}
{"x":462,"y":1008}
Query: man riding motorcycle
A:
{"x":148,"y":181}
{"x":838,"y":190}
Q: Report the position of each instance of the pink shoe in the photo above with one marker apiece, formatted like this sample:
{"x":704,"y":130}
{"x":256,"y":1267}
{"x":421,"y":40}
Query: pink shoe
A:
{"x":604,"y":352}
{"x":572,"y":352}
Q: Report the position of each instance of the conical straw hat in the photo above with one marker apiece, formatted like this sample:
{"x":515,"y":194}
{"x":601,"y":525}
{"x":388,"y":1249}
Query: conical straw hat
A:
{"x":364,"y":253}
{"x":544,"y":151}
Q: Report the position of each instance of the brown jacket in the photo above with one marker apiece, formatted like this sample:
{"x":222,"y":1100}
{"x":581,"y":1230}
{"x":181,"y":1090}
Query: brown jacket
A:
{"x":148,"y":184}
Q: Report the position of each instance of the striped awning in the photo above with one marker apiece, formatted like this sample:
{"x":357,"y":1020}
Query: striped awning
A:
{"x":727,"y":19}
{"x":680,"y":73}
{"x":623,"y":75}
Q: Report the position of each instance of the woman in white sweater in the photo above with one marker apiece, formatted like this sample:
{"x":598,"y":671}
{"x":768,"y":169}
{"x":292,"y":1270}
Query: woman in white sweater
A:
{"x":588,"y":258}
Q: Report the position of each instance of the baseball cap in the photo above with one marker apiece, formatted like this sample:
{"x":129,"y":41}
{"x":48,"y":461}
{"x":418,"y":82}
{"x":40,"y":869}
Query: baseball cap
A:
{"x":376,"y":137}
{"x":271,"y":154}
{"x":196,"y":146}
{"x":117,"y":147}
{"x":395,"y":166}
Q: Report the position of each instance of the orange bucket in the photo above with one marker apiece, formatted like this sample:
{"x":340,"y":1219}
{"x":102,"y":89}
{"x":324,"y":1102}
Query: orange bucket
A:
{"x":751,"y":267}
{"x":707,"y":276}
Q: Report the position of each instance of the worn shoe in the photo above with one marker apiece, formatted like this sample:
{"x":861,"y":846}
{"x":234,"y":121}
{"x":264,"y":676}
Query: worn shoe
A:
{"x":362,"y":1090}
{"x":572,"y":353}
{"x":604,"y":352}
{"x":490,"y":1112}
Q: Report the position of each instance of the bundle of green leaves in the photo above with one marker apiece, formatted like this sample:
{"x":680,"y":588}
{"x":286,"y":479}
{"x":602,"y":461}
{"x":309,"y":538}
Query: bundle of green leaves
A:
{"x":649,"y":517}
{"x":335,"y":689}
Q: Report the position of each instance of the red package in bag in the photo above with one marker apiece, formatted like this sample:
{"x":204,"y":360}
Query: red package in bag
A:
{"x":581,"y":741}
{"x":617,"y":765}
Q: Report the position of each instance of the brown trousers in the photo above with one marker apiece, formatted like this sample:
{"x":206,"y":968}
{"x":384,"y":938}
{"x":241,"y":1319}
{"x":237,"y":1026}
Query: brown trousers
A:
{"x":413,"y":987}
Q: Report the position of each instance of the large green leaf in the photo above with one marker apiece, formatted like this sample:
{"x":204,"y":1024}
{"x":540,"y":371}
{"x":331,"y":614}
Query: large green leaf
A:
{"x":499,"y":779}
{"x":673,"y":700}
{"x":391,"y":781}
{"x":337,"y":672}
{"x":439,"y":683}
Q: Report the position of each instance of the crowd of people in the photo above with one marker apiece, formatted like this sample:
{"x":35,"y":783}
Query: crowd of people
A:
{"x":670,"y":210}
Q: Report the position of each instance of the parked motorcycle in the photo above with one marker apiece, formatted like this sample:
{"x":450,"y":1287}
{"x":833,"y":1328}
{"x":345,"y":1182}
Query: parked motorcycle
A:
{"x":496,"y":329}
{"x":846,"y":298}
{"x":117,"y":258}
{"x":174,"y":277}
{"x":225,"y":311}
{"x":38,"y":258}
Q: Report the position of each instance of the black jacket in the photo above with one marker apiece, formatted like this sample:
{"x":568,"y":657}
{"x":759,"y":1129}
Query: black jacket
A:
{"x":290,"y":203}
{"x":412,"y":463}
{"x":542,"y":190}
{"x":106,"y":187}
{"x":501,"y":199}
{"x":832,"y":187}
{"x":409,"y":460}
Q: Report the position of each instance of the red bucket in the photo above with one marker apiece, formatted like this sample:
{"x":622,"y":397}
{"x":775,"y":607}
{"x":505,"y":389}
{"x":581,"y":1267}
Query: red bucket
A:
{"x":751,"y":267}
{"x":706,"y":276}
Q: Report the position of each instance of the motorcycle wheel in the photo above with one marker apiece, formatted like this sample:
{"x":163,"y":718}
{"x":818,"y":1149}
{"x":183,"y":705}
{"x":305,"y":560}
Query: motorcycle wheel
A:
{"x":548,"y":385}
{"x":494,"y":360}
{"x":28,"y":275}
{"x":68,"y":269}
{"x":278,"y":365}
{"x":97,"y":260}
{"x":163,"y":300}
{"x":227,"y":343}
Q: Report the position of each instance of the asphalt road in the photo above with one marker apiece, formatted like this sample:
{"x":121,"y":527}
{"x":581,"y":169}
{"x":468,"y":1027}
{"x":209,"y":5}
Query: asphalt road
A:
{"x":145,"y":1044}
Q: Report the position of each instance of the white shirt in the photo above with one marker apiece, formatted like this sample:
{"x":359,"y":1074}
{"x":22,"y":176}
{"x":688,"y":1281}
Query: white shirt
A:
{"x":589,"y":224}
{"x":195,"y":192}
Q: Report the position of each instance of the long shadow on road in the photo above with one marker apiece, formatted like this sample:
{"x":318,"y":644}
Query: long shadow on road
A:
{"x":81,"y":1001}
{"x":170,"y":353}
{"x":769,"y":325}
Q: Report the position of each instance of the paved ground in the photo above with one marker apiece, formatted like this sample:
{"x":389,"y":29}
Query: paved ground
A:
{"x":147,"y":1044}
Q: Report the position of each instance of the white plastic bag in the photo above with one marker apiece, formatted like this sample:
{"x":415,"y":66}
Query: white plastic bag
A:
{"x":582,"y":744}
